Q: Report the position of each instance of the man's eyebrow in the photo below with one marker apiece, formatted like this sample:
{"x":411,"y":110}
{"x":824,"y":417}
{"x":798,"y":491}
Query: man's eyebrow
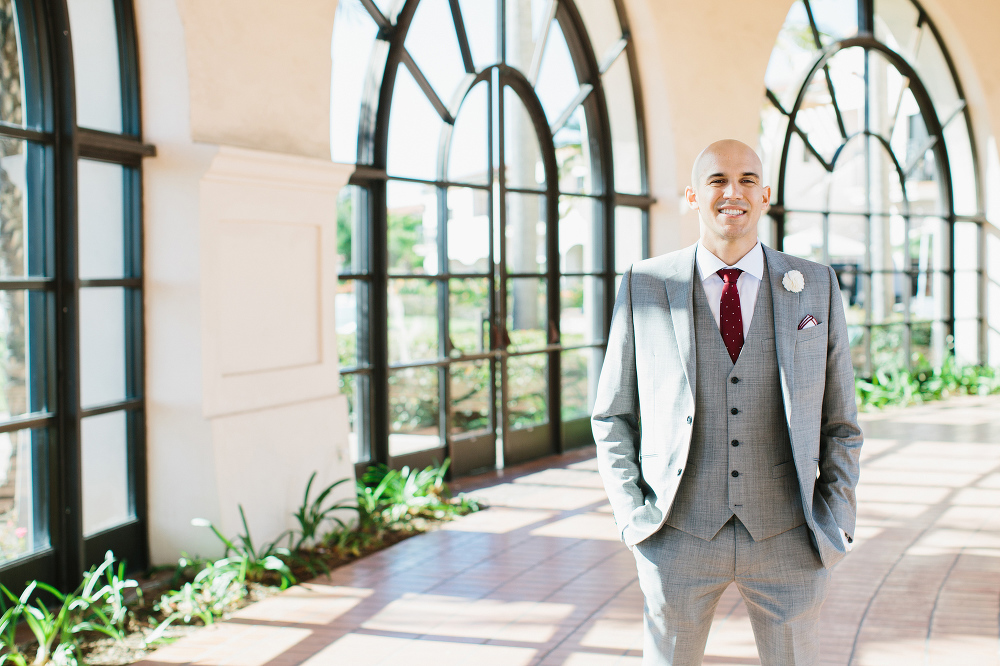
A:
{"x":722,"y":175}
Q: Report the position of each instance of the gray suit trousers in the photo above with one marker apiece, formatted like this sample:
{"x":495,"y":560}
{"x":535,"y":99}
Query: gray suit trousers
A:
{"x":782,"y":580}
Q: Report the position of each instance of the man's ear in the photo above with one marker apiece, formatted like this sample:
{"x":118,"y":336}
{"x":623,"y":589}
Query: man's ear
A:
{"x":767,"y":195}
{"x":691,"y":197}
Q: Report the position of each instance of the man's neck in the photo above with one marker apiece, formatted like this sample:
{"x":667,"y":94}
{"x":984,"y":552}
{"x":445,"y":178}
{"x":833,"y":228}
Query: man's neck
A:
{"x":729,"y":252}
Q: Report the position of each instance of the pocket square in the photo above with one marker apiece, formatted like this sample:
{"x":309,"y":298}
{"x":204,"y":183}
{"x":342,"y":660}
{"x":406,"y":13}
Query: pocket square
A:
{"x":807,"y":322}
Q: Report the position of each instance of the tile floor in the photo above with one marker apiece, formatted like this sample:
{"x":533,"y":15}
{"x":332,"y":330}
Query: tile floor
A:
{"x":540,"y":578}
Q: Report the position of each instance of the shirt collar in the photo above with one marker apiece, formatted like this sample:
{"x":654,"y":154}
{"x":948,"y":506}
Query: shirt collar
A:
{"x":752,"y":262}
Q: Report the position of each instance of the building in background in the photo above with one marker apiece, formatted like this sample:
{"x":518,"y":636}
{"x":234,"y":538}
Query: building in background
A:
{"x":242,"y":241}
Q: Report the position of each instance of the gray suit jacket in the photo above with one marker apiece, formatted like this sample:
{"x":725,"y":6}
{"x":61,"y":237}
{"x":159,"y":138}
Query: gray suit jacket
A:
{"x":646,"y":396}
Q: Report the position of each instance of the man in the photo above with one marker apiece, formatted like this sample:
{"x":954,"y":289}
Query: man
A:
{"x":726,"y":426}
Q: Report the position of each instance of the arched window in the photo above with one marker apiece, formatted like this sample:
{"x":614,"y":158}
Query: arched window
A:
{"x":499,"y":192}
{"x":867,"y":135}
{"x":71,"y":389}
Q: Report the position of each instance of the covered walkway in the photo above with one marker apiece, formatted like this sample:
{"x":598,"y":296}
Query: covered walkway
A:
{"x":541,"y":578}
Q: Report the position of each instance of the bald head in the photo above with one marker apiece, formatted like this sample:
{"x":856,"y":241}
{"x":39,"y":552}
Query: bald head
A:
{"x":722,"y":152}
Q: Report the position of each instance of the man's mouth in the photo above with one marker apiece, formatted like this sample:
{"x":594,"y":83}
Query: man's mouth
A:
{"x":732,"y":211}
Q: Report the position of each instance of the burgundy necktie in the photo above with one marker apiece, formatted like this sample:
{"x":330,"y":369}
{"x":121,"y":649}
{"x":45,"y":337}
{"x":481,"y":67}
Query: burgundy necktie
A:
{"x":730,"y":313}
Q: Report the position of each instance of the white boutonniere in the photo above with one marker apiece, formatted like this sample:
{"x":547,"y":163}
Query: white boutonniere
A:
{"x":793,"y":281}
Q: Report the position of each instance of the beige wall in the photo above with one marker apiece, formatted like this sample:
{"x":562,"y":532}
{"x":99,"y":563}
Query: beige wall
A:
{"x":260,"y":73}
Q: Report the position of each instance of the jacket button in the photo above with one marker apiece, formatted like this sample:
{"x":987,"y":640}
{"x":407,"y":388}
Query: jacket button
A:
{"x":735,"y":473}
{"x":734,"y":411}
{"x":735,"y":380}
{"x":735,"y":442}
{"x":689,"y":420}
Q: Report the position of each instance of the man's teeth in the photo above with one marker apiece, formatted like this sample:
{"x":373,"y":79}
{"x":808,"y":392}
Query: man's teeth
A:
{"x":732,"y":211}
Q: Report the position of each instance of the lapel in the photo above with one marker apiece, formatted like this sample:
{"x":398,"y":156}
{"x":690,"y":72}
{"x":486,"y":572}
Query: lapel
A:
{"x":786,"y":307}
{"x":679,"y":278}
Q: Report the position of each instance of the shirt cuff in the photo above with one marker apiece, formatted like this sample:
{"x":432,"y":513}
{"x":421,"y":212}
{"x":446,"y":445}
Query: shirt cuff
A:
{"x":848,"y":540}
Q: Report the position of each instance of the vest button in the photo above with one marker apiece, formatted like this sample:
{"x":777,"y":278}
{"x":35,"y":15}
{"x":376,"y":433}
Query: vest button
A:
{"x":735,"y":442}
{"x":735,"y":380}
{"x":689,"y":420}
{"x":734,"y":411}
{"x":735,"y":473}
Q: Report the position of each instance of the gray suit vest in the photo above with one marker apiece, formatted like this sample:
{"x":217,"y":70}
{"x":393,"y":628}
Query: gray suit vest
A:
{"x":740,"y":460}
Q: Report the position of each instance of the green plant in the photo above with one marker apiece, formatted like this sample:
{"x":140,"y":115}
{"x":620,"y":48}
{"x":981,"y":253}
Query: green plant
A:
{"x":898,"y":386}
{"x":312,"y":514}
{"x":251,"y":563}
{"x":58,"y":633}
{"x":214,"y":590}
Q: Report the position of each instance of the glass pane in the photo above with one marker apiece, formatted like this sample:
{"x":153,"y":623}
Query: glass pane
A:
{"x":468,"y":160}
{"x":104,"y":459}
{"x":102,"y":345}
{"x":852,"y":291}
{"x":432,"y":42}
{"x":962,"y":165}
{"x":350,"y":386}
{"x":351,"y":216}
{"x":967,"y":245}
{"x":572,"y":145}
{"x":527,"y":390}
{"x":580,"y":371}
{"x":11,"y":101}
{"x":581,"y":310}
{"x":470,"y":397}
{"x":807,"y":181}
{"x":966,"y":294}
{"x":346,"y":317}
{"x":967,"y":341}
{"x":480,"y":18}
{"x":414,"y":131}
{"x":525,"y":233}
{"x":896,"y":25}
{"x":887,"y":94}
{"x":522,"y":152}
{"x":617,"y":83}
{"x":413,"y":320}
{"x":18,"y":488}
{"x":101,"y":219}
{"x":888,"y":240}
{"x":527,"y":20}
{"x":926,"y":302}
{"x":888,"y":348}
{"x":468,"y":230}
{"x":935,"y":74}
{"x":848,"y":191}
{"x":412,"y":228}
{"x":580,"y":246}
{"x":804,"y":235}
{"x":793,"y":53}
{"x":887,"y":297}
{"x":527,"y":321}
{"x":847,"y":240}
{"x":354,"y":34}
{"x":95,"y":64}
{"x":413,"y":410}
{"x":628,"y":237}
{"x":835,"y":19}
{"x":859,"y":337}
{"x":13,"y":208}
{"x":557,"y":84}
{"x":925,"y":240}
{"x":14,"y":373}
{"x":601,"y":20}
{"x":469,"y":316}
{"x":921,"y":344}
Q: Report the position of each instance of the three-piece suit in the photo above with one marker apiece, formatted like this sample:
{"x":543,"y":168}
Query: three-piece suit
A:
{"x":722,"y":471}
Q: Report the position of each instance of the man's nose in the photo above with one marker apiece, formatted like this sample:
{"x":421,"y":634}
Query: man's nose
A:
{"x":733,"y":191}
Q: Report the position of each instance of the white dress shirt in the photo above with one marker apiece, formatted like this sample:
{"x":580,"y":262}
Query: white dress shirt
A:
{"x":752,"y":265}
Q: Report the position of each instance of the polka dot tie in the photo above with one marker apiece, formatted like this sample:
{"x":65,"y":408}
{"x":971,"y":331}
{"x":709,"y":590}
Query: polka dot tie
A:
{"x":730,"y":314}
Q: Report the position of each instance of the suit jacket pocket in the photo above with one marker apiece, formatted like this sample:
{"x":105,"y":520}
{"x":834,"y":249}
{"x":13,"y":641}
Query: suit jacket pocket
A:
{"x":812,"y":332}
{"x":783,"y":469}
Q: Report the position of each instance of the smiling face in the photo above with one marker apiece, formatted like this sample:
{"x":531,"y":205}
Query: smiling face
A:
{"x":728,"y":192}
